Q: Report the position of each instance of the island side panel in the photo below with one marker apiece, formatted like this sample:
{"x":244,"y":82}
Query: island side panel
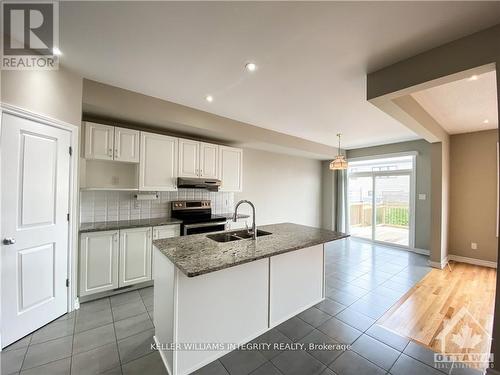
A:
{"x":226,"y":306}
{"x":296,"y":282}
{"x":164,"y":298}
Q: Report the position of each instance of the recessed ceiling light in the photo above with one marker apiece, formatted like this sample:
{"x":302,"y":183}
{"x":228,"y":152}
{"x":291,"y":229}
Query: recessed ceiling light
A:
{"x":209,"y":98}
{"x":473,"y":78}
{"x":251,"y":67}
{"x":56,"y":51}
{"x":486,"y":121}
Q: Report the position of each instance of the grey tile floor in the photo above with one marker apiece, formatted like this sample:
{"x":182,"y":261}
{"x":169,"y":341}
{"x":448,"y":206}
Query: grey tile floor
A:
{"x":106,"y":336}
{"x":113,"y":335}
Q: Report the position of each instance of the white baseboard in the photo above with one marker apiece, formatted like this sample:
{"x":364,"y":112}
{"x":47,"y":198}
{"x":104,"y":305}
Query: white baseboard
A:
{"x":439,"y":265}
{"x":477,"y":262}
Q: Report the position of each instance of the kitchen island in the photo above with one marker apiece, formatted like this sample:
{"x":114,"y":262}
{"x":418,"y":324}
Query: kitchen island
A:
{"x":210,"y":296}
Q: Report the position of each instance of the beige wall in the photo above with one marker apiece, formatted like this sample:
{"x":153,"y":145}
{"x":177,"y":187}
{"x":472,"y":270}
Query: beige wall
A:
{"x":423,"y":182}
{"x":56,"y":93}
{"x":283,"y":188}
{"x":473,"y":195}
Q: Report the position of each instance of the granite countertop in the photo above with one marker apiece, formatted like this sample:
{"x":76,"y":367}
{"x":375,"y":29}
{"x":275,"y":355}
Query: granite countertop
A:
{"x":123,"y":224}
{"x":196,"y":254}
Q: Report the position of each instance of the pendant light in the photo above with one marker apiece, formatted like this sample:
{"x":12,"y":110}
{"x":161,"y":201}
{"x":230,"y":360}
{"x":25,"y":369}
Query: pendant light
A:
{"x":339,"y":163}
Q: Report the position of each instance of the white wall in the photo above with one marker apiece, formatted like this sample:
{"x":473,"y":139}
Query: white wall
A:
{"x":283,"y":188}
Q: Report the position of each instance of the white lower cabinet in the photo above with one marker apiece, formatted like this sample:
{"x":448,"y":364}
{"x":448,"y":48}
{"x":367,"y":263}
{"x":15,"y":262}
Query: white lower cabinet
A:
{"x":135,"y":256}
{"x":98,"y":262}
{"x":118,"y":258}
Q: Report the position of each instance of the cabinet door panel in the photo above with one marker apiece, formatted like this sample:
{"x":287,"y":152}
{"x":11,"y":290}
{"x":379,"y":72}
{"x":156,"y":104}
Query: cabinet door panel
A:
{"x":135,"y":256}
{"x":126,"y":145}
{"x":99,"y":140}
{"x":188,"y":158}
{"x":231,"y":168}
{"x":158,"y":162}
{"x":98,"y":262}
{"x":209,"y":160}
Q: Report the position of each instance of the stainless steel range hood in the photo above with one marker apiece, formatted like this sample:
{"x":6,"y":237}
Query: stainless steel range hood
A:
{"x":211,"y":184}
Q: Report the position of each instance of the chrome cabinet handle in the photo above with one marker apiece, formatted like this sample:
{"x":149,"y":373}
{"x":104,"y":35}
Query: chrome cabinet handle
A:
{"x":9,"y":241}
{"x":110,"y":152}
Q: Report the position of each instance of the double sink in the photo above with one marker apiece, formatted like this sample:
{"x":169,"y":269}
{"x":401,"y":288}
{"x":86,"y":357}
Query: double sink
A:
{"x":236,"y":235}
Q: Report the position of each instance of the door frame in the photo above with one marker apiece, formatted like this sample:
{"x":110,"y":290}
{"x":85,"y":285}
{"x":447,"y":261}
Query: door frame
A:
{"x":73,"y":204}
{"x":405,"y":172}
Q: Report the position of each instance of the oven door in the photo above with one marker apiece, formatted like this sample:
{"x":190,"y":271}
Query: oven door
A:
{"x":203,"y":228}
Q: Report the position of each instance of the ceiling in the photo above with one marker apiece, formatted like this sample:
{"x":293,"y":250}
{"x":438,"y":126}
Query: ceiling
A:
{"x":463,"y":106}
{"x":312,"y":57}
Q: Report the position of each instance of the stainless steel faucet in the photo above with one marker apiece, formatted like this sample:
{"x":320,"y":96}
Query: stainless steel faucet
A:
{"x":235,"y":217}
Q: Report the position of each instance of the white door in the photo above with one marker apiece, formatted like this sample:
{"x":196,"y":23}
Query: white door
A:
{"x":230,"y":168}
{"x":158,"y":162}
{"x":126,"y":145}
{"x":135,"y":256}
{"x":209,"y":160}
{"x":35,"y":182}
{"x":98,"y":262}
{"x":189,"y":158}
{"x":99,"y":140}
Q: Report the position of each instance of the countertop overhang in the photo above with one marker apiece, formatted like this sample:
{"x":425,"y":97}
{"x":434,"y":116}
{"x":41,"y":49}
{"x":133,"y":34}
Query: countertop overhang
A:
{"x":197,"y":254}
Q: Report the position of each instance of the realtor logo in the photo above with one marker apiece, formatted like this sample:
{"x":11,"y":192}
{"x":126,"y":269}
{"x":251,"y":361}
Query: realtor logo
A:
{"x":30,"y":35}
{"x":464,"y":343}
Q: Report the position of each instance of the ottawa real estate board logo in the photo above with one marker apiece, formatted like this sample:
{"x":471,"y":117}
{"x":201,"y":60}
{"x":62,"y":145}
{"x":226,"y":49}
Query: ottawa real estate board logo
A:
{"x":30,"y":35}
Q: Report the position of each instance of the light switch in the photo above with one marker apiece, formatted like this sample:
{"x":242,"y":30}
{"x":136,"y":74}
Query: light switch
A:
{"x":422,"y":197}
{"x":473,"y":246}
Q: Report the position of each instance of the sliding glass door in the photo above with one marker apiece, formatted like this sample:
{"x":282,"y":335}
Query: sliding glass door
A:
{"x":380,"y":199}
{"x":360,"y":206}
{"x":392,"y":199}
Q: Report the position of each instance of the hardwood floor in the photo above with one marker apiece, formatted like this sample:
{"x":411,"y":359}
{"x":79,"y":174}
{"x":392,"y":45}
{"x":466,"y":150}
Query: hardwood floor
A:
{"x":448,"y":311}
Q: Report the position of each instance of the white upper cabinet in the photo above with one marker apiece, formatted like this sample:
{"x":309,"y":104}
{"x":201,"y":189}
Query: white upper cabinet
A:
{"x":209,"y":160}
{"x":158,"y":162}
{"x":105,"y":142}
{"x":161,"y":158}
{"x":99,"y":141}
{"x":231,"y":168}
{"x":198,"y":159}
{"x":127,"y":145}
{"x":189,"y":158}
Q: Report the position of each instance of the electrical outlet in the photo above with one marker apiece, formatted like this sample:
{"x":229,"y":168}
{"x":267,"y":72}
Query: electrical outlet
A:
{"x":473,"y":246}
{"x":422,"y":197}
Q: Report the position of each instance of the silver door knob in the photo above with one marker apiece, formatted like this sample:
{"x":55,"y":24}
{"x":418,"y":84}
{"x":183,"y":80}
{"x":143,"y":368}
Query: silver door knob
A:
{"x":9,"y":241}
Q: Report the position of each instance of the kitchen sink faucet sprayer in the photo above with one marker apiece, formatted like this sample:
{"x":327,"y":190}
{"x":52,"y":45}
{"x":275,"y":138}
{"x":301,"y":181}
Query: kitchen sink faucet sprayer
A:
{"x":235,"y":217}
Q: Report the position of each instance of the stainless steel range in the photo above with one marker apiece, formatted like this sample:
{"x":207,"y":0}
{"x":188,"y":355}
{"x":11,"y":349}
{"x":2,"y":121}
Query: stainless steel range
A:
{"x":197,"y":217}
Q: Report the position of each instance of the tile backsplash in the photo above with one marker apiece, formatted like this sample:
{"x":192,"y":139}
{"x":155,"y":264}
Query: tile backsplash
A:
{"x":96,"y":206}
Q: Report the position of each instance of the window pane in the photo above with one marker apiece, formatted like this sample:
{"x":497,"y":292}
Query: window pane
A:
{"x":392,"y":199}
{"x":386,"y":164}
